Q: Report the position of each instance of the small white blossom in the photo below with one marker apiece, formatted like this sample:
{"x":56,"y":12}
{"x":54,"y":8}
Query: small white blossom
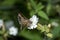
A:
{"x":13,"y":31}
{"x":54,"y":24}
{"x":34,"y":21}
{"x":1,"y":23}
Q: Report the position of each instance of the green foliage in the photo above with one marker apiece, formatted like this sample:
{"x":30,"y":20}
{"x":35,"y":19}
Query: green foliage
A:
{"x":31,"y":35}
{"x":47,"y":11}
{"x":56,"y":32}
{"x":49,"y":8}
{"x":45,"y":29}
{"x":43,"y":15}
{"x":33,"y":4}
{"x":32,"y":13}
{"x":37,"y":9}
{"x":8,"y":2}
{"x":1,"y":38}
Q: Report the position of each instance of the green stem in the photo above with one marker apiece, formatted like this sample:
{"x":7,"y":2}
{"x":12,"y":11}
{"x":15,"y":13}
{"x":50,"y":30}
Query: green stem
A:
{"x":4,"y":32}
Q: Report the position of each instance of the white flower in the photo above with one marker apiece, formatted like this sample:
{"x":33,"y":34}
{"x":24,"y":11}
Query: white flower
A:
{"x":13,"y":31}
{"x":34,"y":21}
{"x":1,"y":23}
{"x":54,"y":24}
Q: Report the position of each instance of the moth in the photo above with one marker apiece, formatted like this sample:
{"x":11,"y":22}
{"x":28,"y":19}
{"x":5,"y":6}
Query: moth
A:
{"x":23,"y":21}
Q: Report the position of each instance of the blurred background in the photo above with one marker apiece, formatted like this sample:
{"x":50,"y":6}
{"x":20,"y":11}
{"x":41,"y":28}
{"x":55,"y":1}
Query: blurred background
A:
{"x":48,"y":11}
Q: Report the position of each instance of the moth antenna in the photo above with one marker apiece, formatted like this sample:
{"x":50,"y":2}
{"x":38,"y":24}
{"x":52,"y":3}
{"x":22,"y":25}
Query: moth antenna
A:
{"x":22,"y":16}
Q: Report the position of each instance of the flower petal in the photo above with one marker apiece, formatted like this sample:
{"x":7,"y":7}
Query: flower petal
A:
{"x":34,"y":21}
{"x":13,"y":31}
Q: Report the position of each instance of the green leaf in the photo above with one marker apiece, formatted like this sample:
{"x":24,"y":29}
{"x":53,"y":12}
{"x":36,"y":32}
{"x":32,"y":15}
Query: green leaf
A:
{"x":58,"y":8}
{"x":39,"y":7}
{"x":48,"y":9}
{"x":43,"y":15}
{"x":33,"y":4}
{"x":32,"y":13}
{"x":1,"y":38}
{"x":31,"y":35}
{"x":1,"y":32}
